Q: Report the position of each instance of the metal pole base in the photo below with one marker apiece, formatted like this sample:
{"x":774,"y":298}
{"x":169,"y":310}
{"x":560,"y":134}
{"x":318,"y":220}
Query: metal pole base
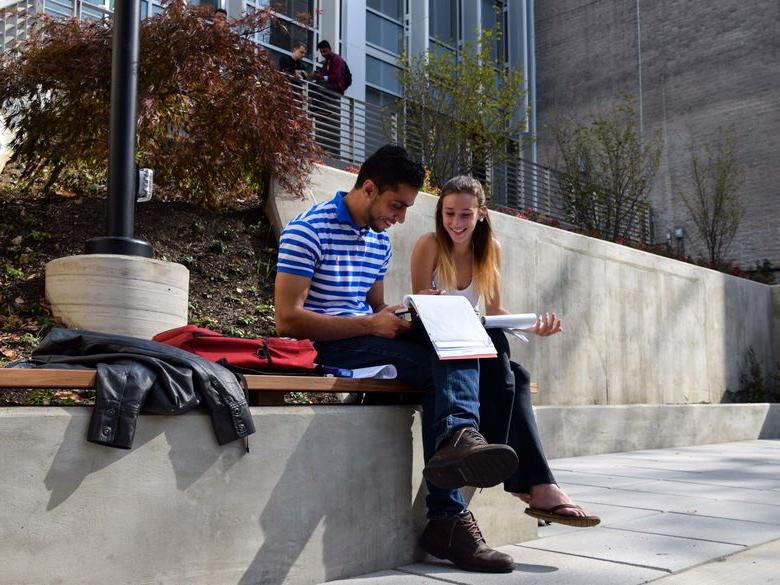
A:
{"x":119,"y":245}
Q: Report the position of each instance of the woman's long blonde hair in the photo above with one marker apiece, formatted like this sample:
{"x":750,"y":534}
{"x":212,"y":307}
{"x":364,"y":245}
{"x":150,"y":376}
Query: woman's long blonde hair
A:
{"x":485,"y":274}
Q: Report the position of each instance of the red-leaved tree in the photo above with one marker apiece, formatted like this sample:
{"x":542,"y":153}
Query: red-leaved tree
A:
{"x":215,"y":117}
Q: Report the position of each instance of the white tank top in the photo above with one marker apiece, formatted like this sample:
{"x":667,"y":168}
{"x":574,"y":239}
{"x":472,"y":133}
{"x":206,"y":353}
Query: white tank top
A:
{"x":470,"y":292}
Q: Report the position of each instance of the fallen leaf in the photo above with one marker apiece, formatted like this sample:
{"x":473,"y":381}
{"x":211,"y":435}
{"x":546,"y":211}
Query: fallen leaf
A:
{"x":17,"y":240}
{"x":19,"y":301}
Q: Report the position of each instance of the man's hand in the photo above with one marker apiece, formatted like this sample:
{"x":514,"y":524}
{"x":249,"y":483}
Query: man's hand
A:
{"x":386,"y":323}
{"x":547,"y":325}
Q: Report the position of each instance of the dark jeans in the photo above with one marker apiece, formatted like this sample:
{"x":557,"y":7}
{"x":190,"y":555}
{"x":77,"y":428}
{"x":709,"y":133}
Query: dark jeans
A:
{"x":451,"y":401}
{"x":507,"y":416}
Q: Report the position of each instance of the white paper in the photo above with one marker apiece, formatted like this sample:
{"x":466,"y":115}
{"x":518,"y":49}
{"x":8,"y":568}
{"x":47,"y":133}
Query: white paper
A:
{"x":517,"y":333}
{"x":452,"y":325}
{"x":516,"y":321}
{"x":383,"y":372}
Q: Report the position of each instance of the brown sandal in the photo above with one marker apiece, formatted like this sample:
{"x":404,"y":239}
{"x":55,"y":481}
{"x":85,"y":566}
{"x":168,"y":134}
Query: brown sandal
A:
{"x":549,"y":515}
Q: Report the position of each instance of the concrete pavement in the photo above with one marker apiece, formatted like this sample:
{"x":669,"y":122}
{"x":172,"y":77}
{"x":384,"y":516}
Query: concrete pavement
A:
{"x":694,"y":515}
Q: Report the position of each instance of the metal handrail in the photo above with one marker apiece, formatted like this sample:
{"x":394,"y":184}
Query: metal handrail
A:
{"x":348,"y":130}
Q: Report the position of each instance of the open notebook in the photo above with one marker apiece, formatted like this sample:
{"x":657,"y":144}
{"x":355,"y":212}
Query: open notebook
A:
{"x":453,"y":327}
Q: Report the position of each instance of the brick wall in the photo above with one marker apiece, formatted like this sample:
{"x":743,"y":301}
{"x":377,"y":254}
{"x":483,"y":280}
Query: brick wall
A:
{"x":703,"y":65}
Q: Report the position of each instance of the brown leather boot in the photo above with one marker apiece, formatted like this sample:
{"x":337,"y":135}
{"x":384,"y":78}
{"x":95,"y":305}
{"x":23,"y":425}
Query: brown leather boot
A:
{"x":466,"y":458}
{"x":458,"y":539}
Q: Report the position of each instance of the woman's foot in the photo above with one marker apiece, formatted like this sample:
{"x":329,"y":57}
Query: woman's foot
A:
{"x":550,"y":503}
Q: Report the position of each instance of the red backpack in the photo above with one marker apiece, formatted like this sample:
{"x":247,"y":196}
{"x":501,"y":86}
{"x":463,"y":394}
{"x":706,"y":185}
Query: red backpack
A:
{"x":264,"y":353}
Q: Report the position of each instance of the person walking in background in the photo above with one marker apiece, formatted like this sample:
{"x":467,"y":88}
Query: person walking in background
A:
{"x":462,"y":257}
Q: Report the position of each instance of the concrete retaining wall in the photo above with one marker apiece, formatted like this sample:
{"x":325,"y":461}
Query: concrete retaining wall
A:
{"x":638,"y":328}
{"x":324,"y":493}
{"x":590,"y":430}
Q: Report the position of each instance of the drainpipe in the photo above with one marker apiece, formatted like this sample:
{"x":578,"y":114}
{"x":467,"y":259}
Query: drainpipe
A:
{"x":122,"y":170}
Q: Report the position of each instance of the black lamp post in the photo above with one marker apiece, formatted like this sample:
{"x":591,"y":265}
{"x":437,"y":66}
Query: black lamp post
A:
{"x":122,"y":170}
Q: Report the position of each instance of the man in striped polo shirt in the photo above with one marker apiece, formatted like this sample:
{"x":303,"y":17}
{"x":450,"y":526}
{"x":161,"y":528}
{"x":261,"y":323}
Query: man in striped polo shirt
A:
{"x":329,"y":288}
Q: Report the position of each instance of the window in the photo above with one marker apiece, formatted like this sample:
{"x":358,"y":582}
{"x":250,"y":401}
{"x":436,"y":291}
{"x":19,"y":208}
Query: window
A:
{"x":493,"y":14}
{"x":384,"y":33}
{"x":443,"y":15}
{"x":383,"y":75}
{"x":294,"y":22}
{"x":392,"y":8}
{"x":384,"y":45}
{"x":284,"y":34}
{"x":301,"y":10}
{"x":443,"y":31}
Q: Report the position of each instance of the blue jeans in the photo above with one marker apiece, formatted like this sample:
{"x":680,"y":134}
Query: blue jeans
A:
{"x":451,"y":400}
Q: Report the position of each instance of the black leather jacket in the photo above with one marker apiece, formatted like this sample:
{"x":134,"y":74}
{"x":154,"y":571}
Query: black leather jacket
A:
{"x":135,"y":374}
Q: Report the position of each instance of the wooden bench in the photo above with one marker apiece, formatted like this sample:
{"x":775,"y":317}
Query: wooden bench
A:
{"x":265,"y":390}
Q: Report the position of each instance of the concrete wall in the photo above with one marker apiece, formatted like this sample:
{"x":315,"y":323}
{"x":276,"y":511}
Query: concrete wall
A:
{"x":324,"y":493}
{"x":694,"y":66}
{"x":638,"y":328}
{"x":574,"y":431}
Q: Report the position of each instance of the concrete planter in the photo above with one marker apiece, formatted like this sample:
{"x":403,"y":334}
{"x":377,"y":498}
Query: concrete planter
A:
{"x":110,"y":293}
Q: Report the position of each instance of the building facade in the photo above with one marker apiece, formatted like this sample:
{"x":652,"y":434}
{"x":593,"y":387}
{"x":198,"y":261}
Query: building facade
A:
{"x":691,"y":68}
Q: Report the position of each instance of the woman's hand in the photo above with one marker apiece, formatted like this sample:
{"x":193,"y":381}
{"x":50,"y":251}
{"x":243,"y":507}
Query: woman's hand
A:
{"x":432,"y":291}
{"x":546,"y":325}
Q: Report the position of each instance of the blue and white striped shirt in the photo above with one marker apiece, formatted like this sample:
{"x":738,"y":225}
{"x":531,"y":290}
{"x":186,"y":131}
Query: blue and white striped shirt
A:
{"x":342,"y":259}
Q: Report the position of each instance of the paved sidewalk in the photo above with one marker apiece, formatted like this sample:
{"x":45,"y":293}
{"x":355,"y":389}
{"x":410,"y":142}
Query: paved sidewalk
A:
{"x":690,"y":515}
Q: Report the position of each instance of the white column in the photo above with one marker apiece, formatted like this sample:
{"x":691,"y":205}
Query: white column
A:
{"x":353,"y":38}
{"x":418,"y":27}
{"x":329,"y":20}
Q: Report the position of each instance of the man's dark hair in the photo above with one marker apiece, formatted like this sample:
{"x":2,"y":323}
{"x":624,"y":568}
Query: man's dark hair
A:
{"x":220,"y":11}
{"x":389,"y":167}
{"x":297,"y":44}
{"x":323,"y":45}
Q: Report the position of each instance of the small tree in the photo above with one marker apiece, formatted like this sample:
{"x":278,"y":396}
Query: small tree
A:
{"x":714,"y":205}
{"x":607,"y":171}
{"x":214,"y":115}
{"x":461,"y":112}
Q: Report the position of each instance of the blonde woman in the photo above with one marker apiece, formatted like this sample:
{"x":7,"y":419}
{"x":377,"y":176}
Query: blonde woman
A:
{"x":463,"y":257}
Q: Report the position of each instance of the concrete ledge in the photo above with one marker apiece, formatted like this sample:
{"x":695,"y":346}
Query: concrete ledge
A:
{"x":573,"y":431}
{"x":325,"y":493}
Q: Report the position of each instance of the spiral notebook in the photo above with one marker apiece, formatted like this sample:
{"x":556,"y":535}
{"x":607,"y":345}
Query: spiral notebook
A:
{"x":453,"y":327}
